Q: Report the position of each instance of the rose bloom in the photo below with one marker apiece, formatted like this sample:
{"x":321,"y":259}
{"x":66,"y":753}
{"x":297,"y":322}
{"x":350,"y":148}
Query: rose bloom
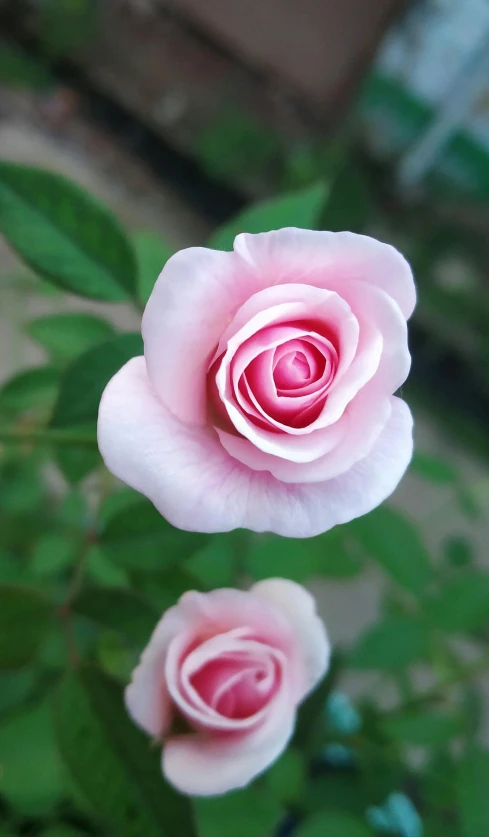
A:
{"x":264,"y":399}
{"x":233,"y":666}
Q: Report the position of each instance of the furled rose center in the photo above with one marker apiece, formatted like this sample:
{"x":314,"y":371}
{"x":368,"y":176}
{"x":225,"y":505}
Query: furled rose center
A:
{"x":236,"y":685}
{"x":227,"y":677}
{"x":282,"y":374}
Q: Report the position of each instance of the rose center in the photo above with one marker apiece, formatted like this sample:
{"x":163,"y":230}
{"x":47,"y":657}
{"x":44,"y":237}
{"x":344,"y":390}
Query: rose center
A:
{"x":236,"y":688}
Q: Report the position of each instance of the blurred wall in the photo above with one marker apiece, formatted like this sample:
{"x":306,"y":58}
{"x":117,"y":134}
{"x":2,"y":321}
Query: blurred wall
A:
{"x":319,"y":46}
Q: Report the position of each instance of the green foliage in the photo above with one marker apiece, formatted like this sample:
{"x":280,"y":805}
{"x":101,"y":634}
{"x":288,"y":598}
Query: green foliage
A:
{"x":287,"y":778}
{"x":86,"y":377}
{"x":235,"y":145}
{"x":462,"y":604}
{"x":391,"y":645}
{"x":64,"y":234}
{"x":434,"y":469}
{"x":152,"y":253}
{"x":19,"y":70}
{"x":111,"y":762}
{"x":326,"y":555}
{"x":333,"y":824}
{"x":472,"y":784}
{"x":25,"y":617}
{"x":33,"y":391}
{"x":139,"y":538}
{"x":120,"y":610}
{"x":424,"y":727}
{"x":297,"y":209}
{"x":252,"y":812}
{"x":395,"y":543}
{"x":31,"y":771}
{"x":65,"y":336}
{"x":66,"y":25}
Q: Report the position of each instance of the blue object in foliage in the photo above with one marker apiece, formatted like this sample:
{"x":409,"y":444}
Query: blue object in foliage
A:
{"x":398,"y":817}
{"x":337,"y":755}
{"x":341,"y":715}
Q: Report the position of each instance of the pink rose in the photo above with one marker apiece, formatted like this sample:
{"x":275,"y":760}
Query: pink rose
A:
{"x":234,"y":666}
{"x":265,"y":396}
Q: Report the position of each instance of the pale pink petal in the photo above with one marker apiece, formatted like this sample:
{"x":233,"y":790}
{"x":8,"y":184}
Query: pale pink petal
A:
{"x":198,"y":486}
{"x":358,"y":429}
{"x":180,"y":667}
{"x":147,"y":698}
{"x":315,"y":258}
{"x":375,"y":308}
{"x":309,"y":630}
{"x":207,"y":765}
{"x":191,"y":304}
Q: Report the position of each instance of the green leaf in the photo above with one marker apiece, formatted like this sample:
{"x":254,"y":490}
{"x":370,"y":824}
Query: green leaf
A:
{"x":423,"y":728}
{"x":394,"y":542}
{"x":434,"y":469}
{"x":76,"y":463}
{"x":112,"y":761}
{"x":25,"y":618}
{"x":152,"y":253}
{"x":62,"y":831}
{"x":120,"y":610}
{"x":54,"y":552}
{"x":327,"y":555}
{"x":391,"y":644}
{"x":335,"y":556}
{"x":31,"y":391}
{"x":473,"y":798}
{"x":458,"y":551}
{"x":252,"y":812}
{"x":333,"y":824}
{"x":462,"y":604}
{"x":349,"y":206}
{"x":15,"y":688}
{"x":65,"y":336}
{"x":30,"y":767}
{"x":271,"y":556}
{"x":101,"y":570}
{"x":86,"y":377}
{"x":310,"y":717}
{"x":287,"y":778}
{"x":215,"y":564}
{"x":66,"y":25}
{"x":297,"y":209}
{"x":139,"y":538}
{"x":64,"y":234}
{"x":17,"y":69}
{"x":74,"y":510}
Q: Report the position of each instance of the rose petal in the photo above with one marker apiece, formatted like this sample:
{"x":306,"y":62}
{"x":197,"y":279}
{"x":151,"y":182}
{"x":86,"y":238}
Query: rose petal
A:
{"x":309,"y":631}
{"x":203,"y":765}
{"x":198,"y":486}
{"x":358,"y":430}
{"x":190,"y":703}
{"x":316,"y":257}
{"x":183,"y":321}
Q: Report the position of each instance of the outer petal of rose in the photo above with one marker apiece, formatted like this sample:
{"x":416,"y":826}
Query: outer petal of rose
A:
{"x":209,"y":765}
{"x":362,"y":425}
{"x":198,"y":486}
{"x":309,"y":630}
{"x":374,"y":306}
{"x":186,"y":314}
{"x":147,"y":698}
{"x":312,"y":257}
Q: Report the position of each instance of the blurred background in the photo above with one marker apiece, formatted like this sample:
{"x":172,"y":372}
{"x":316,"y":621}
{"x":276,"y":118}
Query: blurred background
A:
{"x":179,"y":113}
